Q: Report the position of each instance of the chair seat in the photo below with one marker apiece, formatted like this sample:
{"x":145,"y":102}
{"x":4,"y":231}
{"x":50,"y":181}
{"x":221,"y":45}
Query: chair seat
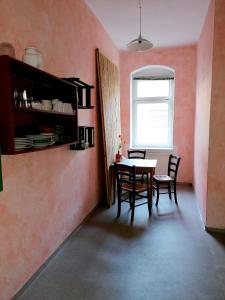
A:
{"x":162,"y":178}
{"x":139,"y":188}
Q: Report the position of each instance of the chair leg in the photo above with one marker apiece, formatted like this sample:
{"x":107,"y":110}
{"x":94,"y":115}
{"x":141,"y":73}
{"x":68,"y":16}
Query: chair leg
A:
{"x":149,"y":204}
{"x":175,"y":192}
{"x":119,"y":204}
{"x":132,"y":208}
{"x":130,"y":200}
{"x":157,"y":199}
{"x":169,"y":191}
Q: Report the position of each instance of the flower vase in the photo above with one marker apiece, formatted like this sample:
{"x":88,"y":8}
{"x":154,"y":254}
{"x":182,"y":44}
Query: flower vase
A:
{"x":118,"y":157}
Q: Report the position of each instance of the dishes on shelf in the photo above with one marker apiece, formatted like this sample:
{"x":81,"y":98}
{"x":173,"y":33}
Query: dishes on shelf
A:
{"x":46,"y":104}
{"x":42,"y":140}
{"x":22,"y":143}
{"x":59,"y":106}
{"x":21,"y":100}
{"x":51,"y":138}
{"x":36,"y":105}
{"x":34,"y":141}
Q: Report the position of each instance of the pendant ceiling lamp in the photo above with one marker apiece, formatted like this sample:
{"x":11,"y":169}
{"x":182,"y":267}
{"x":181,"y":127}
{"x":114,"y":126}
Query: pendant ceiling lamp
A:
{"x":139,"y":44}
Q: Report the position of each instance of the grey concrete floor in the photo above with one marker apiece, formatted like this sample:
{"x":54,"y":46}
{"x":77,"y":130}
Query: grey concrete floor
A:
{"x":166,"y":257}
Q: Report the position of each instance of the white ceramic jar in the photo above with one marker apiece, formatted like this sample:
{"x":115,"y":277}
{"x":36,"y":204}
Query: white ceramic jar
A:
{"x":33,"y":57}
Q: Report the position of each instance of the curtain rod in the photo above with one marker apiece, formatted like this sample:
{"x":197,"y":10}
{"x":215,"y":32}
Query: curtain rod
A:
{"x":153,"y":78}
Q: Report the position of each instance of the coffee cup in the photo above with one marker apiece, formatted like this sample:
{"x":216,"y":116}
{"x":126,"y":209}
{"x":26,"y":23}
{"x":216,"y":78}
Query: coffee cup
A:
{"x":36,"y":105}
{"x":46,"y":104}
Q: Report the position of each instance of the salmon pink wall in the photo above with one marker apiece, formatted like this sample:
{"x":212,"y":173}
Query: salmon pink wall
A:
{"x":209,"y":120}
{"x":202,"y":116}
{"x":216,"y":167}
{"x":183,"y":61}
{"x":48,"y":193}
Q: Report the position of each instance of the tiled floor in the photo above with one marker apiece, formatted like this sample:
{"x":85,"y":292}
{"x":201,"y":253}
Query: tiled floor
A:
{"x":167,"y":257}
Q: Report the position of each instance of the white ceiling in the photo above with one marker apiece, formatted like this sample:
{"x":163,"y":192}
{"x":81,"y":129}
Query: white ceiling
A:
{"x":166,"y":23}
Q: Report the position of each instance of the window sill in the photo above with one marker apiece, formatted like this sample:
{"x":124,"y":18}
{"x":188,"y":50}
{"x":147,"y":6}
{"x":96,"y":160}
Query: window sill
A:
{"x":165,"y":151}
{"x":151,"y":148}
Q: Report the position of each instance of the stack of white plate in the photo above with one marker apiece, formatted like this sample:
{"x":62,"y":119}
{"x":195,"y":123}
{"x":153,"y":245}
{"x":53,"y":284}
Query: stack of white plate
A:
{"x":51,"y":136}
{"x":22,"y":143}
{"x":39,"y":141}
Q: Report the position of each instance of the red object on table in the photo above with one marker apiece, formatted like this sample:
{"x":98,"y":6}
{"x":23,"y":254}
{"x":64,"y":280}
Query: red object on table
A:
{"x":118,"y":157}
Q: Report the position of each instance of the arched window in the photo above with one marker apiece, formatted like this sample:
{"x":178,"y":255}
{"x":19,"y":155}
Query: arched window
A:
{"x":152,"y":107}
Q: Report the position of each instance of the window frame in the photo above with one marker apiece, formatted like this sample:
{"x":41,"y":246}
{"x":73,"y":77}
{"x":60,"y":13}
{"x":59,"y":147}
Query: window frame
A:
{"x":135,"y":100}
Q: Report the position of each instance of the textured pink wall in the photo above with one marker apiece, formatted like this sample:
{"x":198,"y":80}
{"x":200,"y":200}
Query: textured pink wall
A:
{"x":202,"y":116}
{"x":216,"y":184}
{"x":183,"y":61}
{"x":48,"y":193}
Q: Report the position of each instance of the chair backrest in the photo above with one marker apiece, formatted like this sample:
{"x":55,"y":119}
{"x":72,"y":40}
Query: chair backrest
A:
{"x":173,"y":165}
{"x":125,"y":175}
{"x":136,"y":154}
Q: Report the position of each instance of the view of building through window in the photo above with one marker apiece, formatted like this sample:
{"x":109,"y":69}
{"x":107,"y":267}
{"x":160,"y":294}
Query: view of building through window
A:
{"x":152,"y":123}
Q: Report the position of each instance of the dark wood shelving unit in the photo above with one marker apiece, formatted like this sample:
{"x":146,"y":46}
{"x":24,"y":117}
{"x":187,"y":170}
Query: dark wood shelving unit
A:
{"x":78,"y":147}
{"x":85,"y":133}
{"x":41,"y":111}
{"x":86,"y":138}
{"x":85,"y":107}
{"x":83,"y":92}
{"x":19,"y":121}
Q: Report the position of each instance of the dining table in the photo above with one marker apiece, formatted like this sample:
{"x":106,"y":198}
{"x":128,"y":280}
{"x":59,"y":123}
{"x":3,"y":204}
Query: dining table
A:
{"x":146,"y":166}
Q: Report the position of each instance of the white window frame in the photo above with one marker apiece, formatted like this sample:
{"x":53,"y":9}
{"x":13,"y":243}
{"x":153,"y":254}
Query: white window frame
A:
{"x":136,"y":100}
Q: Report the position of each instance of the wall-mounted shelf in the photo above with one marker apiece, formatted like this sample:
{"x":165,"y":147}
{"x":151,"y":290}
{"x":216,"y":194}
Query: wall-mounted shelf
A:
{"x":85,"y":107}
{"x":19,"y":121}
{"x":86,"y":138}
{"x":83,"y":92}
{"x":86,"y":133}
{"x":37,"y":111}
{"x":78,"y":147}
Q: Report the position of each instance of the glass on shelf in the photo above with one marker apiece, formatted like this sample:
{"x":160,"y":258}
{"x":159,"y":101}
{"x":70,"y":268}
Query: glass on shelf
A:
{"x":20,"y":99}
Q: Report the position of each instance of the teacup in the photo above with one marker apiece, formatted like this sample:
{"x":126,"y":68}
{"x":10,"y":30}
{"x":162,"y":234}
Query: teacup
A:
{"x":46,"y":104}
{"x":70,"y":108}
{"x":36,"y":105}
{"x":67,"y":107}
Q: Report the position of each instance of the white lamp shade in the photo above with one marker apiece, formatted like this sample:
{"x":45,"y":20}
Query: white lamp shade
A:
{"x":140,"y":44}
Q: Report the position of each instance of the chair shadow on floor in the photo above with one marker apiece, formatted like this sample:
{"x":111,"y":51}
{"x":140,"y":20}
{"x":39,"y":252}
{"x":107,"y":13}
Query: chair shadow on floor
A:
{"x":166,"y":210}
{"x":166,"y":213}
{"x":117,"y":226}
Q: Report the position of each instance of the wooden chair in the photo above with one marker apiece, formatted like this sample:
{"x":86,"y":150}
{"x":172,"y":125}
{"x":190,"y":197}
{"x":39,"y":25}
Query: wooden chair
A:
{"x":136,"y":154}
{"x":168,"y":181}
{"x":126,"y":182}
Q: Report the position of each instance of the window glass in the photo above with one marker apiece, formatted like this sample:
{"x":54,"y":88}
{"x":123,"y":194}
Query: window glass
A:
{"x":153,"y":88}
{"x":152,"y":108}
{"x":152,"y":123}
